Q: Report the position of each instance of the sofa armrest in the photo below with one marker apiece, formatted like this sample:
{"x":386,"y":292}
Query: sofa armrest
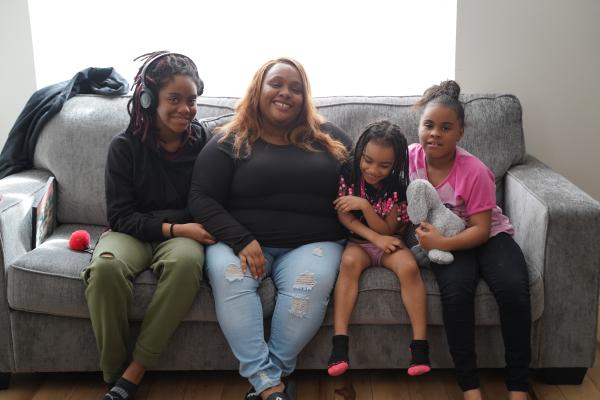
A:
{"x":18,"y":193}
{"x":558,"y":227}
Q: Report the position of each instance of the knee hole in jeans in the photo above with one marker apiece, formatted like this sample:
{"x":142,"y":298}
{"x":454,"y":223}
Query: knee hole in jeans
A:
{"x":305,"y":281}
{"x":299,"y":306}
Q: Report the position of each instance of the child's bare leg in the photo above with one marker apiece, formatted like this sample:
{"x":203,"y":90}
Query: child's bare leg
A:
{"x":354,"y":261}
{"x":414,"y":297}
{"x":404,"y":265}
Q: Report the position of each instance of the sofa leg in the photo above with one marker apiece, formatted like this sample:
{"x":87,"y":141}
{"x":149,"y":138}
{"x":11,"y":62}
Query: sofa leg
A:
{"x":563,"y":376}
{"x":4,"y":380}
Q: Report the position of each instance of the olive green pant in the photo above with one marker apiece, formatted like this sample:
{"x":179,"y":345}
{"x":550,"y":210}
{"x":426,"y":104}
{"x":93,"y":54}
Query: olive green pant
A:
{"x":118,"y":258}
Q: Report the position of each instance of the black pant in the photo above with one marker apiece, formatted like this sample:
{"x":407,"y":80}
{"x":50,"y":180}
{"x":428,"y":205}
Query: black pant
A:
{"x":502,"y":266}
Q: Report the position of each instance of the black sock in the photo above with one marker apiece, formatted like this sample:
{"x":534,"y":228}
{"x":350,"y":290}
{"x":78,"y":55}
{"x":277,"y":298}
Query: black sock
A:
{"x":339,"y":352}
{"x":123,"y":389}
{"x":419,"y":350}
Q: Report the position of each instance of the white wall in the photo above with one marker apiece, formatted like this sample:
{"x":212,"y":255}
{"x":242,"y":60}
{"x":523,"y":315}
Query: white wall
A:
{"x":17,"y":76}
{"x":547,"y":52}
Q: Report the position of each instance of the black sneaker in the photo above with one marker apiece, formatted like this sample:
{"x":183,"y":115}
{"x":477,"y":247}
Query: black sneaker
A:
{"x":279,"y":396}
{"x":251,"y":394}
{"x":289,"y":392}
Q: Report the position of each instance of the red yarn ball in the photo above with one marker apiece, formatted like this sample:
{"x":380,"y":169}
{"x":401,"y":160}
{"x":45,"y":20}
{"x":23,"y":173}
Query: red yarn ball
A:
{"x":79,"y":240}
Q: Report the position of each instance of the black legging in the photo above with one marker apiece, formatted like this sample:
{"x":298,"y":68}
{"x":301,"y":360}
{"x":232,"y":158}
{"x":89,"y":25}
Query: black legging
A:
{"x":502,"y":266}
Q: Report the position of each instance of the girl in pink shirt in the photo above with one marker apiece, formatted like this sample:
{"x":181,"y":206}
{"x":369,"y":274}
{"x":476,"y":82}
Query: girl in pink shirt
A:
{"x":484,"y":250}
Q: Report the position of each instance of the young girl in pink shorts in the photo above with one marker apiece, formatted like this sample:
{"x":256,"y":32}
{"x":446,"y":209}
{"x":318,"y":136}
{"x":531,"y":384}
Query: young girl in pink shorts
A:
{"x":371,"y":204}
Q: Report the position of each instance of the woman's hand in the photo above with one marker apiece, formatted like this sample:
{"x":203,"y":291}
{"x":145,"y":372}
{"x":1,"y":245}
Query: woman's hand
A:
{"x":194,"y":231}
{"x":346,"y":204}
{"x":429,"y":236}
{"x":388,"y":244}
{"x":252,"y":257}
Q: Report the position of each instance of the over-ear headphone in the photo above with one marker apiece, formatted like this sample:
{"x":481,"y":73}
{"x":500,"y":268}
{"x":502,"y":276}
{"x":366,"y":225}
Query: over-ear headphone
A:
{"x":147,"y":97}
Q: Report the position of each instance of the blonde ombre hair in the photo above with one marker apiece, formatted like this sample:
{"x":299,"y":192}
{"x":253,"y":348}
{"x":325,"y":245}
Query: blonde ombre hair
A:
{"x":246,"y":124}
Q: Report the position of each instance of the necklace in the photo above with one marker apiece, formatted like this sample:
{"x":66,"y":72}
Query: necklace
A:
{"x":382,"y":206}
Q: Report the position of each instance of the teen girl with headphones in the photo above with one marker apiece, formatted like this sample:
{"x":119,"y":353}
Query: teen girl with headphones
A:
{"x":148,"y":173}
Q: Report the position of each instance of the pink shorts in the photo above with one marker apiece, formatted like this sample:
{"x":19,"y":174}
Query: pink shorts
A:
{"x":374,"y":252}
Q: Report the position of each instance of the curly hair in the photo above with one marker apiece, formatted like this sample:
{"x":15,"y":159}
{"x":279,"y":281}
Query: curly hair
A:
{"x":158,"y":73}
{"x":446,"y":93}
{"x":246,"y":125}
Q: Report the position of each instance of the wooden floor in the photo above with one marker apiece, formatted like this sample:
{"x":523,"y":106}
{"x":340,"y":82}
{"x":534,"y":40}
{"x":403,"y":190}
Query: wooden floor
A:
{"x":311,"y":385}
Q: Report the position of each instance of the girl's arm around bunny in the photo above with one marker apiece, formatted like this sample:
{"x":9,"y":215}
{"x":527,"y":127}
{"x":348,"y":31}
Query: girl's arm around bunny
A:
{"x":476,"y":234}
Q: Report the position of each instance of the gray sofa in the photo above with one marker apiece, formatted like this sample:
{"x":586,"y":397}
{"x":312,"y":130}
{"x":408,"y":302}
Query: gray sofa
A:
{"x":44,"y":323}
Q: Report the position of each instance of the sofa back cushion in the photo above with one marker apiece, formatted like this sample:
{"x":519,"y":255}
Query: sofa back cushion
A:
{"x":74,"y":144}
{"x":493,"y":125}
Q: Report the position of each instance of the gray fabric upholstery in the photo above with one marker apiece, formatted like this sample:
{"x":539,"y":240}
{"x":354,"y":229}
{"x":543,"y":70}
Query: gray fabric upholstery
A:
{"x":83,"y":129}
{"x":43,"y":307}
{"x":571,"y":263}
{"x":379,"y":301}
{"x":17,"y":194}
{"x":52,"y":271}
{"x":493,"y":122}
{"x":87,"y":123}
{"x":193,"y":346}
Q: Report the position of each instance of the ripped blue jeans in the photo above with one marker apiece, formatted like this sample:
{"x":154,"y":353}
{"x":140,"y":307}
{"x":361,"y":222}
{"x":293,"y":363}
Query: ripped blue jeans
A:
{"x":303,"y":276}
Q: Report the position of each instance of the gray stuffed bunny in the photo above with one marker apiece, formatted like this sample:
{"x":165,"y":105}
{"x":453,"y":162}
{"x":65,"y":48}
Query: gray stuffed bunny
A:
{"x":424,"y":204}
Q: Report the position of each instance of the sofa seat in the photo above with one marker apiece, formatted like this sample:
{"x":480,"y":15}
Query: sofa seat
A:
{"x":52,"y":271}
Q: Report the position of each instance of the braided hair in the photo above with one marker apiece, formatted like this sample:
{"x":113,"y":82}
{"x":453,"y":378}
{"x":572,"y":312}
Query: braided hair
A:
{"x":157,"y":75}
{"x":447,"y":94}
{"x":387,"y":134}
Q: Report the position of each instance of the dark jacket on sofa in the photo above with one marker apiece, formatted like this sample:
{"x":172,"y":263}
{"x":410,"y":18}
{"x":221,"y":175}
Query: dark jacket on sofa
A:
{"x":17,"y":154}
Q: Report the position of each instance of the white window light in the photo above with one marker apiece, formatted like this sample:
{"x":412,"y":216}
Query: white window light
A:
{"x":348,"y":47}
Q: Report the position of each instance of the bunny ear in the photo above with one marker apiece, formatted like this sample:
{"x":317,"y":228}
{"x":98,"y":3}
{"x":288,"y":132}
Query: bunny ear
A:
{"x":433,"y":197}
{"x":417,"y":207}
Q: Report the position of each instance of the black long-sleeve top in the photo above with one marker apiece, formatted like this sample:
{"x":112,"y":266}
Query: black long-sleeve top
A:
{"x":280,"y":195}
{"x":146,"y":186}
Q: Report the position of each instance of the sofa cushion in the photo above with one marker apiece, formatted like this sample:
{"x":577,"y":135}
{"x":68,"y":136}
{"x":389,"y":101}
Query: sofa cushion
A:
{"x":86,"y":124}
{"x":379,"y":300}
{"x":52,"y":272}
{"x":493,"y":129}
{"x":73,"y":146}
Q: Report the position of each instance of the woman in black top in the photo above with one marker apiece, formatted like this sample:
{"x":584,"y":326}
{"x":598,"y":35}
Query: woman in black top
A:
{"x":265,"y":189}
{"x":148,"y":174}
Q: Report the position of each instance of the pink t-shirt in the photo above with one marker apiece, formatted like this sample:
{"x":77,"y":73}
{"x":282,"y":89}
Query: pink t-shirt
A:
{"x":468,"y":189}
